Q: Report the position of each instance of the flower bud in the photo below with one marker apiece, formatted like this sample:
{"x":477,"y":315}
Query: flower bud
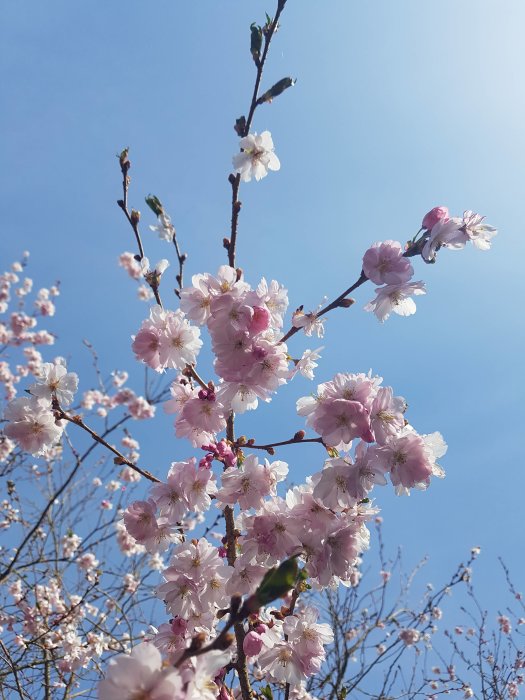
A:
{"x":252,"y":644}
{"x":433,"y":216}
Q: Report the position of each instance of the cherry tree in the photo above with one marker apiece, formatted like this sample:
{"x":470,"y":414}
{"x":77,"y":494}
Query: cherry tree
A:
{"x":257,"y":579}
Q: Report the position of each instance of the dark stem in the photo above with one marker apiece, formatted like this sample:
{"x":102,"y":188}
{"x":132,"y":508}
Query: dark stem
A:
{"x":269,"y":447}
{"x":77,"y":420}
{"x":332,"y":305}
{"x":181,"y":257}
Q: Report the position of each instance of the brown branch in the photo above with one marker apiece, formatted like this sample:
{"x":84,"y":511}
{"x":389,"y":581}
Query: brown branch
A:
{"x":336,"y":303}
{"x":269,"y":447}
{"x":77,"y":420}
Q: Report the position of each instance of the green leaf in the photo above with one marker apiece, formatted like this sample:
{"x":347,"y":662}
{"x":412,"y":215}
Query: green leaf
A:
{"x":267,"y":692}
{"x":277,"y":89}
{"x":277,"y":581}
{"x":154,"y":204}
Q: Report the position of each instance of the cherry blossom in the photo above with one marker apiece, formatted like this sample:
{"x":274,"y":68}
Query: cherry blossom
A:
{"x":384,"y":263}
{"x":140,"y":675}
{"x":256,"y":158}
{"x":32,"y":424}
{"x":54,"y":380}
{"x":479,"y":233}
{"x":395,"y":298}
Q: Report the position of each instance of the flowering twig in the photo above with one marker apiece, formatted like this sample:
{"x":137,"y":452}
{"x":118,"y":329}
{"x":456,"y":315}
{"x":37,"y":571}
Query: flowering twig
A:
{"x":342,"y":301}
{"x":134,"y":216}
{"x":235,"y":180}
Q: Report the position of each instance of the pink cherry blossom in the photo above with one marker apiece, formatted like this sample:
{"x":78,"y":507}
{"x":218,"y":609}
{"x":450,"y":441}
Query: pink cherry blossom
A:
{"x":384,"y":263}
{"x":140,"y":674}
{"x":32,"y":424}
{"x":409,"y":636}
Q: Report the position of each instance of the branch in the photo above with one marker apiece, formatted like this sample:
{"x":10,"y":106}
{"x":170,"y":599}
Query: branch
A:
{"x":235,"y":180}
{"x":120,"y":459}
{"x":134,"y":216}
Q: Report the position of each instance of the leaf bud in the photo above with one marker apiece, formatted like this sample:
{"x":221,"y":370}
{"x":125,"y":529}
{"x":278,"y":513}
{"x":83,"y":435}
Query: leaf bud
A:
{"x":256,"y":35}
{"x":346,"y":303}
{"x":276,"y":90}
{"x":240,"y":126}
{"x":123,"y":160}
{"x":154,"y":204}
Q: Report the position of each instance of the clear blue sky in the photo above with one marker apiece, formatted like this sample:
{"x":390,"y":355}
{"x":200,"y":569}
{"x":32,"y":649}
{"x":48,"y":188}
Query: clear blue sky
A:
{"x":398,"y":107}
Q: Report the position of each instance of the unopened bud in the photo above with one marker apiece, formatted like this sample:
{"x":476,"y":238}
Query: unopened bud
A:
{"x":346,"y":303}
{"x":135,"y":217}
{"x":270,"y":450}
{"x":240,"y":128}
{"x":123,"y":160}
{"x":239,"y":274}
{"x":119,"y":460}
{"x":299,"y":435}
{"x":226,"y":243}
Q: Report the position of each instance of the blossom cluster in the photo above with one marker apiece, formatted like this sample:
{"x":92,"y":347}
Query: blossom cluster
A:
{"x":386,"y":263}
{"x":356,"y":406}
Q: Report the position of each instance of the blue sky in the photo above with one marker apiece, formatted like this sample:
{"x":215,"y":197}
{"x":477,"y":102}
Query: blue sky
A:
{"x":398,"y":107}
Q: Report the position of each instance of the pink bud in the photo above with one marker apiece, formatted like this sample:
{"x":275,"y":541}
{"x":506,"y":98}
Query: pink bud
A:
{"x":252,"y":644}
{"x":433,"y":216}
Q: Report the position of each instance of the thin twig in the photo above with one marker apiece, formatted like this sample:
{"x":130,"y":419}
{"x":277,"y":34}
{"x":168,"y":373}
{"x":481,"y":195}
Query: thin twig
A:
{"x":235,"y":180}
